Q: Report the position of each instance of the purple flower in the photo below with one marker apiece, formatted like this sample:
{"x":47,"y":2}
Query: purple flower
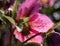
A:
{"x":53,"y":39}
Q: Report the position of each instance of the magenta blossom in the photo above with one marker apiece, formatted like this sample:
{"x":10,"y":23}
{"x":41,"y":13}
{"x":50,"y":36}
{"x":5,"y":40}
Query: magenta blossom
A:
{"x":27,"y":8}
{"x":38,"y":23}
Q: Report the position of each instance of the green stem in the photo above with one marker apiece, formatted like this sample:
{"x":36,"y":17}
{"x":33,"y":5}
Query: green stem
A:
{"x":15,"y":8}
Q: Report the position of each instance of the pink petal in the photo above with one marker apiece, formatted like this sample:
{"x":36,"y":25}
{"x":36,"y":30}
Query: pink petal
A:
{"x":37,"y":7}
{"x":18,"y":36}
{"x":24,"y":8}
{"x":40,"y":22}
{"x":28,"y":7}
{"x":37,"y":39}
{"x":22,"y":38}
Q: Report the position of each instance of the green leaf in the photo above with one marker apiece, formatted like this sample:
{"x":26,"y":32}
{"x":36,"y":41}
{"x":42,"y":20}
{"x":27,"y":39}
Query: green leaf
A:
{"x":13,"y":22}
{"x":21,"y":21}
{"x":26,"y":19}
{"x":1,"y":16}
{"x":10,"y":20}
{"x":1,"y":13}
{"x":15,"y":8}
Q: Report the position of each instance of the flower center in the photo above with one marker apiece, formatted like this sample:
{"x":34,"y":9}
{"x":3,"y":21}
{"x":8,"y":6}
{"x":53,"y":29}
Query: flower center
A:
{"x":25,"y":31}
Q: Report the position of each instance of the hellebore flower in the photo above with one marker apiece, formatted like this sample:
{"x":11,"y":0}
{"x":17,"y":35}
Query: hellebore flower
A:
{"x":53,"y":39}
{"x":38,"y":23}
